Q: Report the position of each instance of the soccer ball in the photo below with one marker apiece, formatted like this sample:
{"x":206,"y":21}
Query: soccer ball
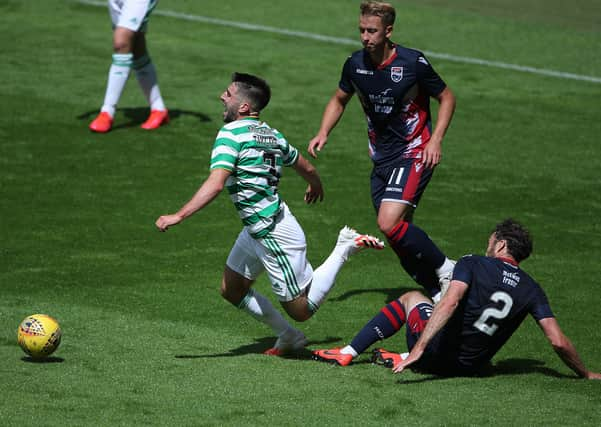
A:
{"x":39,"y":335}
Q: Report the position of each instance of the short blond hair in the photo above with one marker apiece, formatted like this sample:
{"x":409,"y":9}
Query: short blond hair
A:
{"x":385,"y":11}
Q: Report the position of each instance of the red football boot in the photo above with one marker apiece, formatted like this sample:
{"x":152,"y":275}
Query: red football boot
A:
{"x":156,"y":119}
{"x":333,"y":356}
{"x":102,"y":123}
{"x":289,"y":342}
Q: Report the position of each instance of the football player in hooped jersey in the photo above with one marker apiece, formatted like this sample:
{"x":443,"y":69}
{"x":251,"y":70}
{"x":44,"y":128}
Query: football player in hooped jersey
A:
{"x":394,"y":85}
{"x":247,"y":159}
{"x":487,"y":300}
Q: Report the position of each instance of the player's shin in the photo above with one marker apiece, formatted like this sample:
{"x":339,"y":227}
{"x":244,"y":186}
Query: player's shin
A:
{"x":323,"y":281}
{"x":261,"y":309}
{"x":118,"y":74}
{"x":419,"y":255}
{"x":385,"y":324}
{"x":147,"y":78}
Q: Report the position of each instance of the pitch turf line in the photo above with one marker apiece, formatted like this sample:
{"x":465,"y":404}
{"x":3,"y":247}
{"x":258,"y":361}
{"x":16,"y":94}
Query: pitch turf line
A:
{"x":345,"y":41}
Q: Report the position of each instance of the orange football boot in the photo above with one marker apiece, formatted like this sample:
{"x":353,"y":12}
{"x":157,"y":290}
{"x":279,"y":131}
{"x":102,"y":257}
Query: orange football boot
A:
{"x":333,"y":356}
{"x":102,"y":123}
{"x":290,"y":341}
{"x":156,"y":119}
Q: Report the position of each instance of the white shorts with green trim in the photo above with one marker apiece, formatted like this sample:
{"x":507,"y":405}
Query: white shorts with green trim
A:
{"x":131,"y":14}
{"x":282,"y":253}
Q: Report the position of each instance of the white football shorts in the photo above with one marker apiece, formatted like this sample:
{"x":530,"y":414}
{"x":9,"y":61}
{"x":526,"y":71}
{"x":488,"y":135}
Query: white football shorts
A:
{"x":282,"y":253}
{"x":131,"y":14}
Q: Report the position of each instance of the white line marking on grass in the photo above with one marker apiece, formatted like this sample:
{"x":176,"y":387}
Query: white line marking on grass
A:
{"x":351,"y":42}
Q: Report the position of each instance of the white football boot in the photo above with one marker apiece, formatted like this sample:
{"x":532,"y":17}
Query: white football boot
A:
{"x":350,"y":242}
{"x":289,"y":341}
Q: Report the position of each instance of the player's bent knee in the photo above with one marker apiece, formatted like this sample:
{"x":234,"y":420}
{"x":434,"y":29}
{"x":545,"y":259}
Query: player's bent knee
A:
{"x":391,"y":215}
{"x":297,"y":309}
{"x":234,"y":286}
{"x":123,"y":40}
{"x":412,"y":298}
{"x":385,"y":226}
{"x":228,"y":295}
{"x":388,"y":224}
{"x":300,"y":317}
{"x":122,"y":48}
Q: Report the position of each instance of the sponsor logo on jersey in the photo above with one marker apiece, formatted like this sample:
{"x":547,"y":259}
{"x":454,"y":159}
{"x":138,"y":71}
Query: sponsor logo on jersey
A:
{"x":396,"y":74}
{"x":382,"y":102}
{"x":365,"y":72}
{"x":418,"y":166}
{"x":511,"y":279}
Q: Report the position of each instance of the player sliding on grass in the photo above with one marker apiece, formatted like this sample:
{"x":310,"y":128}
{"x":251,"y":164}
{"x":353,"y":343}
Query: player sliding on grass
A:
{"x":487,"y":300}
{"x":247,"y":159}
{"x":130,"y":19}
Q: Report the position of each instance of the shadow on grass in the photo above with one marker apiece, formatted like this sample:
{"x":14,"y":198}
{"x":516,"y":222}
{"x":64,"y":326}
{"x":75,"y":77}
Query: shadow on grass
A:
{"x":51,"y":359}
{"x":507,"y":367}
{"x":525,"y":366}
{"x":258,"y":347}
{"x":138,"y":115}
{"x":390,"y":293}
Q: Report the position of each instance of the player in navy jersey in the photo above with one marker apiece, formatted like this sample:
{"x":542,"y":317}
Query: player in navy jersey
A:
{"x":487,"y":300}
{"x":394,"y":85}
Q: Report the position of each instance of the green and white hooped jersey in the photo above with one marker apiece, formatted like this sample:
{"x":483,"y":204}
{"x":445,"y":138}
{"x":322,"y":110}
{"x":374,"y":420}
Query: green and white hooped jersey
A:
{"x":255,"y":154}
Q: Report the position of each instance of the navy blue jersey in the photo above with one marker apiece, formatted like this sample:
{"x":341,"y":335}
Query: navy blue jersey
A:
{"x":395,"y":96}
{"x":499,"y":297}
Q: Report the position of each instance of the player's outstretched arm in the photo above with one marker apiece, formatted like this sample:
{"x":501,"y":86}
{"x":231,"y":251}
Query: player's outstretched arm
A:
{"x":331,"y":115}
{"x":205,"y":195}
{"x":565,"y":349}
{"x":305,"y":169}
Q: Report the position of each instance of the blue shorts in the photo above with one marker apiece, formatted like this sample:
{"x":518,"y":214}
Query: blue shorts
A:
{"x":402,"y":182}
{"x":440,"y":356}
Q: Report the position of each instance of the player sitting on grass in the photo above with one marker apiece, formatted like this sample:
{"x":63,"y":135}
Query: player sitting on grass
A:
{"x":487,"y":300}
{"x":247,"y":159}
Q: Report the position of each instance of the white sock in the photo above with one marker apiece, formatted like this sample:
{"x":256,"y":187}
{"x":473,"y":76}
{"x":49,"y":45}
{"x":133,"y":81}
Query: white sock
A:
{"x":147,"y":77}
{"x":349,"y":350}
{"x":324,"y":278}
{"x":118,"y":74}
{"x":261,"y":309}
{"x":446,"y":267}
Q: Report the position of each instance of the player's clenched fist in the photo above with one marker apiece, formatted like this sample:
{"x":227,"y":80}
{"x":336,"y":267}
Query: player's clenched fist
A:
{"x":165,"y":221}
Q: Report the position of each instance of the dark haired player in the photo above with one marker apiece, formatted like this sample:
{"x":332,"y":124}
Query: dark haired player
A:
{"x":247,"y":159}
{"x":487,"y":300}
{"x":394,"y":85}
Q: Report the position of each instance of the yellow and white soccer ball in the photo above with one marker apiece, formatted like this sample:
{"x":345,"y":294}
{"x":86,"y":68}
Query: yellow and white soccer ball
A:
{"x":39,"y":335}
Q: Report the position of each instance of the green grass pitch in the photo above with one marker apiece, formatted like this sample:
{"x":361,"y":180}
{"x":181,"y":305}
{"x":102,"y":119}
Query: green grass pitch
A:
{"x":147,"y":338}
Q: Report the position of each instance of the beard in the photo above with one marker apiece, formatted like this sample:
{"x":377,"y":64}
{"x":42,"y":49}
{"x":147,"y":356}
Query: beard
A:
{"x":230,"y":114}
